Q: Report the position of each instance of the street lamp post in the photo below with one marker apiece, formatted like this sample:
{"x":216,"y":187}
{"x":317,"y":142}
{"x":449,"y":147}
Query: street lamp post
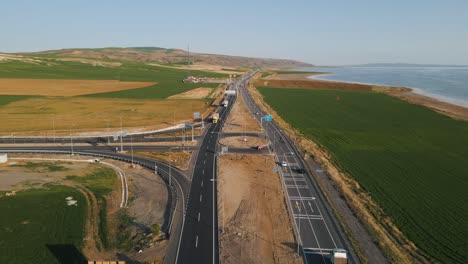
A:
{"x":299,"y":233}
{"x":170,"y":165}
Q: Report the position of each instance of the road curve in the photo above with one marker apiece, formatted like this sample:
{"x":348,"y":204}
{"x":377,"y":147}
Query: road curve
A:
{"x":180,"y":186}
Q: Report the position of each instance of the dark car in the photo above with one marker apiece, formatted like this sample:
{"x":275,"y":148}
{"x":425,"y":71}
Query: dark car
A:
{"x":300,"y":170}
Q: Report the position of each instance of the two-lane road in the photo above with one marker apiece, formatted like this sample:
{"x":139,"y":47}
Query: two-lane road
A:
{"x":200,"y":232}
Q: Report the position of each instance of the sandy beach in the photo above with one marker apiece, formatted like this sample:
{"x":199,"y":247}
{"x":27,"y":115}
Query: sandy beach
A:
{"x":403,"y":93}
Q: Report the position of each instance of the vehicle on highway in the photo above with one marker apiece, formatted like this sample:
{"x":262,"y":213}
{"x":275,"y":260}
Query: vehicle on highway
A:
{"x":339,"y":256}
{"x":225,"y":103}
{"x":215,"y":118}
{"x":284,"y":163}
{"x":300,"y":170}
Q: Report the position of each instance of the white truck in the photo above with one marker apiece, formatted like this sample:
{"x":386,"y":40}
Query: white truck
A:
{"x":339,"y":256}
{"x":215,"y":118}
{"x":225,"y":103}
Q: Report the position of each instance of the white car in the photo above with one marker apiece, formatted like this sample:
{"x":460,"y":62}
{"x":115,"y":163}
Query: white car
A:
{"x":284,"y":164}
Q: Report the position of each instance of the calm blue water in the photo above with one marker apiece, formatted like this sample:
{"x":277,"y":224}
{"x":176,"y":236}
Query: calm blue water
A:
{"x":446,"y":83}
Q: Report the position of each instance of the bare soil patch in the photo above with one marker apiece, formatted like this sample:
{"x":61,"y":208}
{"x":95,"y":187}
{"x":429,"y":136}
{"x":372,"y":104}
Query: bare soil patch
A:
{"x":76,"y":114}
{"x":257,"y":228}
{"x":312,"y":84}
{"x":198,"y":93}
{"x":239,"y":142}
{"x":240,"y":119}
{"x":54,"y":87}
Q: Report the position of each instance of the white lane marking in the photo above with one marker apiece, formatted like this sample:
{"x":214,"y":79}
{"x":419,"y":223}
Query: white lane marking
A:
{"x":196,"y":242}
{"x":202,"y":183}
{"x":203,"y":171}
{"x":200,"y":197}
{"x":204,"y":162}
{"x":198,"y":216}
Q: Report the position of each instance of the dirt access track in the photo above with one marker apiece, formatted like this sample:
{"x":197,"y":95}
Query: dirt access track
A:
{"x":53,"y":87}
{"x":252,"y":212}
{"x":240,"y":119}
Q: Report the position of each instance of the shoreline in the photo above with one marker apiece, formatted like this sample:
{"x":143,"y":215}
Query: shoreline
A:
{"x":416,"y":90}
{"x":410,"y":95}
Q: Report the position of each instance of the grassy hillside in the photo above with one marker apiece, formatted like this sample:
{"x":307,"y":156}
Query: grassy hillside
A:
{"x":409,"y":158}
{"x":170,"y":56}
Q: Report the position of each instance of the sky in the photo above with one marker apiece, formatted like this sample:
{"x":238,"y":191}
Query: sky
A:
{"x":325,"y":32}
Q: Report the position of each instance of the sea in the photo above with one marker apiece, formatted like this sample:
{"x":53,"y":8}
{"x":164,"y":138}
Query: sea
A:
{"x":448,"y":84}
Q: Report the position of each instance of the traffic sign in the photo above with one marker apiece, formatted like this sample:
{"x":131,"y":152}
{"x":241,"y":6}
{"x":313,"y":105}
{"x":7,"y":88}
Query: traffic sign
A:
{"x":196,"y":115}
{"x":268,"y":118}
{"x":276,"y":169}
{"x":188,"y":125}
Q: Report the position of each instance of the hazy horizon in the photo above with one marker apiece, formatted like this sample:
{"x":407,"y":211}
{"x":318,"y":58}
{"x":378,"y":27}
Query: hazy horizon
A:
{"x":345,"y":33}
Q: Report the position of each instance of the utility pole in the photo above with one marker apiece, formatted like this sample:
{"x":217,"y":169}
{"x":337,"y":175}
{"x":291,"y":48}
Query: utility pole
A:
{"x":53,"y":126}
{"x":71,"y":141}
{"x":121,"y":135}
{"x":188,"y":60}
{"x":131,"y":146}
{"x":299,"y":236}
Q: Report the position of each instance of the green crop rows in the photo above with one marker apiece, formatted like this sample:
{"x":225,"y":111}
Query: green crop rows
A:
{"x":36,"y":223}
{"x":412,"y":160}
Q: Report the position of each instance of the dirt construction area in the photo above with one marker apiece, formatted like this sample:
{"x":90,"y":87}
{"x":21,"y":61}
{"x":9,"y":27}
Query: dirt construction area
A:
{"x":53,"y":87}
{"x":240,"y":119}
{"x":243,"y":142}
{"x":253,"y":213}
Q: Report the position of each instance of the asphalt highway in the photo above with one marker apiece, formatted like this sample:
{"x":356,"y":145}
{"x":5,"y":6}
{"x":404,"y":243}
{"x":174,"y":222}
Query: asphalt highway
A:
{"x":200,"y":232}
{"x":315,"y":226}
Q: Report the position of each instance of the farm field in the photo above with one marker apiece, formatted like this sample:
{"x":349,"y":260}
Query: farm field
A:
{"x":169,"y":79}
{"x":74,"y":114}
{"x":42,"y":227}
{"x":52,"y":87}
{"x":38,"y":94}
{"x":410,"y":159}
{"x":36,"y":224}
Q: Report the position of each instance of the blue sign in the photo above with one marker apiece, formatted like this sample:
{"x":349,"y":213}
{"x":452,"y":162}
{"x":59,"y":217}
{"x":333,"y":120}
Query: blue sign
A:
{"x":268,"y":118}
{"x":276,"y":169}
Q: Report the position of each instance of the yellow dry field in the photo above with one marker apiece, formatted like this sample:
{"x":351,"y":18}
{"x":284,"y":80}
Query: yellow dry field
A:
{"x":40,"y":115}
{"x":53,"y":87}
{"x":198,"y":93}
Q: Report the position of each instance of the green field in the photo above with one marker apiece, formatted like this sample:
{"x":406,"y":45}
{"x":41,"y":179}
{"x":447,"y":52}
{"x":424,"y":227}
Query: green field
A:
{"x":101,"y":181}
{"x":169,"y":79}
{"x":6,"y":99}
{"x":412,"y":160}
{"x":36,"y":223}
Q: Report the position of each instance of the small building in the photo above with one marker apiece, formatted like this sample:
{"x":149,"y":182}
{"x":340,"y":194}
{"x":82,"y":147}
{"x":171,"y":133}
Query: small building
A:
{"x":3,"y":158}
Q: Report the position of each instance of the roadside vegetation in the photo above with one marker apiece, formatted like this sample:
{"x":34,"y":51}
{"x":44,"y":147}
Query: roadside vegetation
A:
{"x":407,"y":157}
{"x":38,"y":223}
{"x":101,"y":182}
